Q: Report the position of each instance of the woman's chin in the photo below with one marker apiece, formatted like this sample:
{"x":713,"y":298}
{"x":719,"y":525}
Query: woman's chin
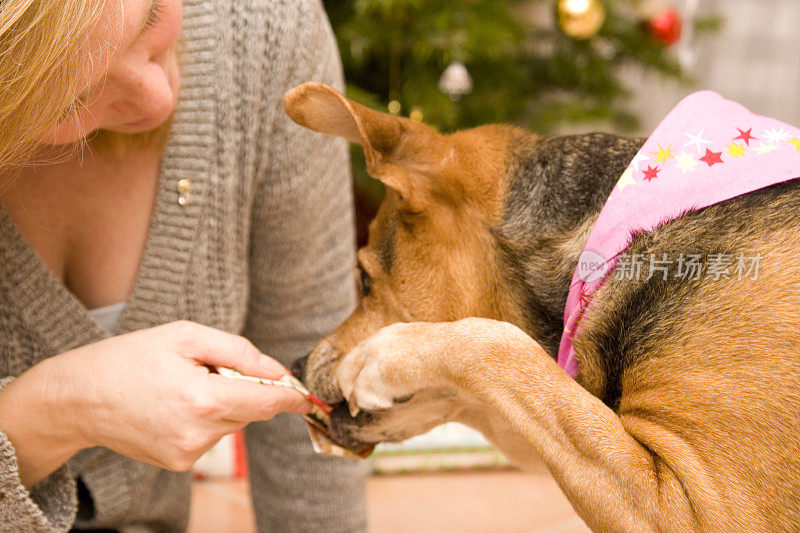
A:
{"x":71,"y":135}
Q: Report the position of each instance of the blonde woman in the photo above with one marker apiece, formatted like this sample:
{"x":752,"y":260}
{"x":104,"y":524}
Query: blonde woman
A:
{"x":158,"y":209}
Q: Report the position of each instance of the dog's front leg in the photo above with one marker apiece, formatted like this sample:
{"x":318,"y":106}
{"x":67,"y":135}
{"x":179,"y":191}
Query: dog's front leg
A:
{"x":520,"y":397}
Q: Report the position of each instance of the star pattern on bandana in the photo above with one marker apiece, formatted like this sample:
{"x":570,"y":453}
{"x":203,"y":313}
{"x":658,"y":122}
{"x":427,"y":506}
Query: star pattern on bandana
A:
{"x":584,"y":297}
{"x":745,"y":136}
{"x":776,"y":135}
{"x":697,"y":141}
{"x":663,"y":154}
{"x":685,"y":162}
{"x":650,"y":167}
{"x":638,"y":158}
{"x":651,"y":173}
{"x":711,"y":158}
{"x":736,"y":150}
{"x":626,"y":180}
{"x":763,"y":148}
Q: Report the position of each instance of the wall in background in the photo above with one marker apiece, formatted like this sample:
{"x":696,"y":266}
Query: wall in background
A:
{"x":754,"y":59}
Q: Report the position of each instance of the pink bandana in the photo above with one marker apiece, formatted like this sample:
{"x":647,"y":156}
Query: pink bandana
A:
{"x":707,"y":150}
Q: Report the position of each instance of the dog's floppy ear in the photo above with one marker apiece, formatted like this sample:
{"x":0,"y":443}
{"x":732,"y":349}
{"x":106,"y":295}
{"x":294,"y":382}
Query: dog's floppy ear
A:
{"x":322,"y":108}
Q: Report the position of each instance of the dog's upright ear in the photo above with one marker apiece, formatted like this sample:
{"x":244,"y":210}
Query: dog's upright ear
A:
{"x":398,"y":151}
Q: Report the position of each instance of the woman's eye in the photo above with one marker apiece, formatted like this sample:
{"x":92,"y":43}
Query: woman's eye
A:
{"x":365,"y":283}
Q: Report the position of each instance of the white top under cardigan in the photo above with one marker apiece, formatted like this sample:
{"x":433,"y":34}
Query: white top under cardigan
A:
{"x":107,"y":316}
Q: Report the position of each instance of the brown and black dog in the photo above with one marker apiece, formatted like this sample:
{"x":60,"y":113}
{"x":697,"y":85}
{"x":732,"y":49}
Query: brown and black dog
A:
{"x":685,"y":414}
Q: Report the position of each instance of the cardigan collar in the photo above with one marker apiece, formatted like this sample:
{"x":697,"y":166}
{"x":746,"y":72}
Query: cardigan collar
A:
{"x":47,"y":307}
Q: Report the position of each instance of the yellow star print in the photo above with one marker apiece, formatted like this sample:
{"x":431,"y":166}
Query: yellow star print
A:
{"x":736,"y":150}
{"x":663,"y":154}
{"x":796,"y":143}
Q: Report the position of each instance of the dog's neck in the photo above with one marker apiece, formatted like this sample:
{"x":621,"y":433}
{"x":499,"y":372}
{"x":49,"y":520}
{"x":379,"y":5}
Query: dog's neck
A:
{"x":543,"y":269}
{"x":558,"y":188}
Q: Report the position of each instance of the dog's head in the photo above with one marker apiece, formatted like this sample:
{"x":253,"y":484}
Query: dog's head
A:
{"x":481,"y":222}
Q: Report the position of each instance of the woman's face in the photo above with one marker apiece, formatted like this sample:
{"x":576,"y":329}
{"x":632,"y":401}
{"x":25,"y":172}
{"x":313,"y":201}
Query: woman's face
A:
{"x":132,"y":85}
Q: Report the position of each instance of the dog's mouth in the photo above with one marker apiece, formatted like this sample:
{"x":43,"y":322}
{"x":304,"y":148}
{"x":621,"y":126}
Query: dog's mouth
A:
{"x":316,"y":369}
{"x":343,"y":427}
{"x":361,"y":432}
{"x":368,"y":429}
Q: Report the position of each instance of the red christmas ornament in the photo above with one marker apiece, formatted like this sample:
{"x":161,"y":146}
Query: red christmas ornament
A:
{"x":666,"y":26}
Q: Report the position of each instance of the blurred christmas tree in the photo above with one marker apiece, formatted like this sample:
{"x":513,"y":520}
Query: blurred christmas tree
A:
{"x":539,"y":64}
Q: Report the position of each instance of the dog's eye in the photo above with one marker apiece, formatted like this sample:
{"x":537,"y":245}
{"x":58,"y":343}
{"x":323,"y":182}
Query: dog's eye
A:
{"x":365,"y":283}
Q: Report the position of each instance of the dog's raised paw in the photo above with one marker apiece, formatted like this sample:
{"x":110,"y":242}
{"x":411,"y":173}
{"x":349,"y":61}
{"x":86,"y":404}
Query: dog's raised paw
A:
{"x":383,"y":371}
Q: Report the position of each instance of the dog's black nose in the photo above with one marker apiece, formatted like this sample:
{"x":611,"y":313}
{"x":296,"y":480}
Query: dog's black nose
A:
{"x":299,"y":367}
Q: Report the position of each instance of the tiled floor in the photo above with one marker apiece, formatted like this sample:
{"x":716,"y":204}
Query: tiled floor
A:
{"x":504,"y":501}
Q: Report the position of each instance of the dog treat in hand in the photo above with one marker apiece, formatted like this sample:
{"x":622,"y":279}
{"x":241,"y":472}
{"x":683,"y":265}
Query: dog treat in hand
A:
{"x":318,"y":419}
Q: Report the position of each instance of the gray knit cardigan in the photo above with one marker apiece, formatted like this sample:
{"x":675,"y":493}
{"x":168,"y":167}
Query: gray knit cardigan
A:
{"x":264,"y":248}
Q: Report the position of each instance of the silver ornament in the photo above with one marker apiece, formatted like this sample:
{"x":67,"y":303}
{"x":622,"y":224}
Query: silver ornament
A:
{"x":455,"y":80}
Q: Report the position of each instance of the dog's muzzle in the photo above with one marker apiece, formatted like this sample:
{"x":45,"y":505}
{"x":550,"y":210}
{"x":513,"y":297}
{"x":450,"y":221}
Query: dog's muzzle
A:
{"x":299,"y":367}
{"x":316,"y":370}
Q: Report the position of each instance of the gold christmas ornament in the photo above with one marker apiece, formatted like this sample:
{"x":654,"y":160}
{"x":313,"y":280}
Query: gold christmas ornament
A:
{"x":580,"y":19}
{"x":416,"y":114}
{"x":394,"y":107}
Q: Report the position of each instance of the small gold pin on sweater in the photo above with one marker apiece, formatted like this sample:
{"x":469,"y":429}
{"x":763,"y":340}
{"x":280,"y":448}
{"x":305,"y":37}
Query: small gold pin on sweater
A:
{"x":184,"y":187}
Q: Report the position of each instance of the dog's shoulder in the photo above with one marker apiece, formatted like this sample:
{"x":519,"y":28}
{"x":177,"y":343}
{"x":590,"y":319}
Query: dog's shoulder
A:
{"x":731,"y":265}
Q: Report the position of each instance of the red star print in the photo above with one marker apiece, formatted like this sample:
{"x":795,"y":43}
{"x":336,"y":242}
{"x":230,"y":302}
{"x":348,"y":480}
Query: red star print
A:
{"x":651,"y":173}
{"x":583,"y":297}
{"x":745,"y":136}
{"x":711,"y":158}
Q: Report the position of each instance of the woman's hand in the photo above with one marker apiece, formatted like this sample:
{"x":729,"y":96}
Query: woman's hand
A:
{"x":147,"y":395}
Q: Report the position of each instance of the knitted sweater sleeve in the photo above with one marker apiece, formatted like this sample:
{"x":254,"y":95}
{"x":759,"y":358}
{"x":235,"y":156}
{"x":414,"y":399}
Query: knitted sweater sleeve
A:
{"x":301,"y":287}
{"x":48,"y":507}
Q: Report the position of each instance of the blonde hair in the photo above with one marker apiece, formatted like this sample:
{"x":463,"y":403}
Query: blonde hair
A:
{"x":44,"y":56}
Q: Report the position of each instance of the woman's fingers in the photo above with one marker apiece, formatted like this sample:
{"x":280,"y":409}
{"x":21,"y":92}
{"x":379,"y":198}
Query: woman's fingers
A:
{"x":217,"y":348}
{"x":145,"y":395}
{"x":247,"y":401}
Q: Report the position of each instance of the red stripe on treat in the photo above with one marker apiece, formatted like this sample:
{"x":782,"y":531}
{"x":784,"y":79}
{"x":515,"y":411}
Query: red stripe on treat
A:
{"x":327,"y":409}
{"x":366,"y":451}
{"x":239,"y":456}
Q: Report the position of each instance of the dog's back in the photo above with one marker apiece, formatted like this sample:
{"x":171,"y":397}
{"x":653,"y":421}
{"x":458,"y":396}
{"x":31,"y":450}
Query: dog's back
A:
{"x":707,"y":356}
{"x":711,"y":361}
